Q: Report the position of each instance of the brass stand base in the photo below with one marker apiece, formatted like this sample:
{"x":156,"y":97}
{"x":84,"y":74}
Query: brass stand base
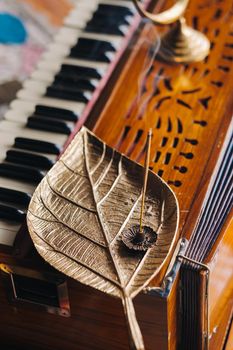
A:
{"x":182,"y":44}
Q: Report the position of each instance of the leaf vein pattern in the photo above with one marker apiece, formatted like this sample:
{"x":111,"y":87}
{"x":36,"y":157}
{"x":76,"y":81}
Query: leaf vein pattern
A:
{"x":54,"y":249}
{"x":113,"y":184}
{"x":101,"y":178}
{"x":63,"y":197}
{"x":100,"y":161}
{"x":69,"y":227}
{"x":98,"y":215}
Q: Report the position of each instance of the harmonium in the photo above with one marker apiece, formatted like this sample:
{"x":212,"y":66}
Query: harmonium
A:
{"x":116,"y":174}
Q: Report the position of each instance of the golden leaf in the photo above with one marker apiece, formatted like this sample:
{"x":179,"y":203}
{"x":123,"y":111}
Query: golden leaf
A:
{"x":78,"y":213}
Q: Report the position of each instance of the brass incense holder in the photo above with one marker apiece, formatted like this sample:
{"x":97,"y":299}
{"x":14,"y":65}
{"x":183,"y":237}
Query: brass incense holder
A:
{"x":80,"y":209}
{"x":181,"y":44}
{"x":139,"y":237}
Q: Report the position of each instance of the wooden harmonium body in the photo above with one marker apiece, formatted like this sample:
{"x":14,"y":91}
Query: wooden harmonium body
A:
{"x":188,"y":305}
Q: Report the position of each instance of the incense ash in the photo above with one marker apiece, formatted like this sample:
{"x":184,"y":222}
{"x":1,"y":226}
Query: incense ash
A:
{"x":136,"y":239}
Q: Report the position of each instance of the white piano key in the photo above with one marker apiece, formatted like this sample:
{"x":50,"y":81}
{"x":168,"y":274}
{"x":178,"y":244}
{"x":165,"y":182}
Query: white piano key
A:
{"x":40,"y":86}
{"x":87,"y":5}
{"x":77,"y":19}
{"x":8,"y":232}
{"x":35,"y":89}
{"x":128,"y":4}
{"x":100,"y":66}
{"x":83,"y":8}
{"x":16,"y":129}
{"x":28,"y":95}
{"x":93,"y":4}
{"x":29,"y":106}
{"x":34,"y":85}
{"x":80,"y":15}
{"x":6,"y":147}
{"x":58,"y":50}
{"x":53,"y":66}
{"x":17,"y":185}
{"x":48,"y":77}
{"x":53,"y":102}
{"x":44,"y":75}
{"x":56,"y":63}
{"x":16,"y":116}
{"x":69,"y":37}
{"x":23,"y":106}
{"x":59,"y":53}
{"x":124,"y":29}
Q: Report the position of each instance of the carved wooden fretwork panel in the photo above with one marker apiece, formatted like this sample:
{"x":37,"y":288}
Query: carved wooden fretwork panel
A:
{"x":184,"y":104}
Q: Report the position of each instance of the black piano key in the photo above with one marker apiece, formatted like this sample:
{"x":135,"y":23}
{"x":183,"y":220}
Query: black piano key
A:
{"x":11,"y":214}
{"x":87,"y":44}
{"x":54,"y":112}
{"x":66,"y":94}
{"x":93,"y":50}
{"x":36,"y":145}
{"x":114,"y":10}
{"x":73,"y":83}
{"x":104,"y":29}
{"x":14,"y":196}
{"x":79,"y":71}
{"x":101,"y":18}
{"x":39,"y":123}
{"x":34,"y":160}
{"x":19,"y":172}
{"x":108,"y":20}
{"x":90,"y":55}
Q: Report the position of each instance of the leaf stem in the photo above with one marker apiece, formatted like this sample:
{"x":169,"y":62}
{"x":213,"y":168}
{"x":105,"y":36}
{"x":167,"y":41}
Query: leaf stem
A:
{"x":146,"y":170}
{"x":136,"y":340}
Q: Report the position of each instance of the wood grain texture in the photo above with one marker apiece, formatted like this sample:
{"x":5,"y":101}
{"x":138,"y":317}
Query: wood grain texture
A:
{"x":220,"y":261}
{"x":189,"y":108}
{"x":97,"y":322}
{"x":186,"y":106}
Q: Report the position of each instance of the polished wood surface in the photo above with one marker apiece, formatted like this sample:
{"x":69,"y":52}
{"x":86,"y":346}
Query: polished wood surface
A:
{"x":220,"y":262}
{"x":190,"y":112}
{"x":187,"y":105}
{"x":96,"y":323}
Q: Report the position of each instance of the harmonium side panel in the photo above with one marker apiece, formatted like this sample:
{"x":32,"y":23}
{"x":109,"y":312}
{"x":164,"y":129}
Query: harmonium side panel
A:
{"x":220,"y":262}
{"x":96,"y":322}
{"x":210,"y":244}
{"x":189,"y":108}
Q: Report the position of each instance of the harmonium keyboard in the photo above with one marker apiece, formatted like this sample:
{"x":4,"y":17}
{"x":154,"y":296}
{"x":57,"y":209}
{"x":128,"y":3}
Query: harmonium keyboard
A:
{"x":89,"y":76}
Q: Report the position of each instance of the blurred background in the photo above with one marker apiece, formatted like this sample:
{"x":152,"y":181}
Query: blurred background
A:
{"x":26,"y":28}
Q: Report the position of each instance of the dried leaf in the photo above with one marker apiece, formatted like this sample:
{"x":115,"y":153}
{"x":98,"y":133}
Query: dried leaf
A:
{"x":79,"y":210}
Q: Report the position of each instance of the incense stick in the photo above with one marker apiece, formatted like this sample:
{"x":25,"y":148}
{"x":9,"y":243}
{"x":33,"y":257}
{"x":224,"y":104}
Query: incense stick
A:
{"x":146,"y":166}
